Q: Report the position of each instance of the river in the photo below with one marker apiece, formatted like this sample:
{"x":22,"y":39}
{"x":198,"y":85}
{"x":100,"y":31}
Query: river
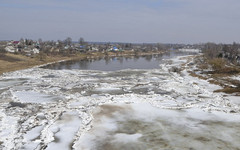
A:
{"x":118,"y":63}
{"x":88,"y":105}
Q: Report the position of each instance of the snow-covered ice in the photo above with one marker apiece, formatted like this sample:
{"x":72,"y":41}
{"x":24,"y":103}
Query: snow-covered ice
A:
{"x":34,"y":97}
{"x":142,"y":126}
{"x":236,"y":77}
{"x":126,"y":109}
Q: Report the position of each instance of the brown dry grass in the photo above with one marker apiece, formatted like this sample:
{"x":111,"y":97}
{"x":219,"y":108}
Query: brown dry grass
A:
{"x":12,"y":62}
{"x":217,"y":64}
{"x":221,"y":69}
{"x":193,"y":74}
{"x":216,"y":82}
{"x":203,"y":66}
{"x":219,"y":74}
{"x":229,"y":90}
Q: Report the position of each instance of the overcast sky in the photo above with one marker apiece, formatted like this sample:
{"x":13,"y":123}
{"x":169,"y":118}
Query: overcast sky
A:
{"x":164,"y":21}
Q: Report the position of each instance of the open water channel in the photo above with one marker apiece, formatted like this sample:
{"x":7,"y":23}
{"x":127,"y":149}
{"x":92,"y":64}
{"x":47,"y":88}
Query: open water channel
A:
{"x":119,"y":63}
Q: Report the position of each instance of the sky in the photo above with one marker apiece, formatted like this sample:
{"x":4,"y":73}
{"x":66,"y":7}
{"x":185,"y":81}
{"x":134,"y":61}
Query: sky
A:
{"x":134,"y":21}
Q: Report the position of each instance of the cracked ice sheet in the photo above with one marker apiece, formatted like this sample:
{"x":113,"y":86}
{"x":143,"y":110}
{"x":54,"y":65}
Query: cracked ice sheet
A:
{"x":34,"y":97}
{"x":235,"y":100}
{"x":6,"y":83}
{"x":64,"y":131}
{"x":142,"y":126}
{"x":8,"y":130}
{"x":31,"y":138}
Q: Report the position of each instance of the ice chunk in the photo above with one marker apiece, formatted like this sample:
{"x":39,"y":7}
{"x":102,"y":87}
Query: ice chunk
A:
{"x":35,"y":97}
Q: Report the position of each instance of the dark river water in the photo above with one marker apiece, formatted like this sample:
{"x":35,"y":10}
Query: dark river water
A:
{"x":118,"y":63}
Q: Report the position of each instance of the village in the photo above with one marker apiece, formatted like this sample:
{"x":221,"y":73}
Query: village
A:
{"x":31,"y":47}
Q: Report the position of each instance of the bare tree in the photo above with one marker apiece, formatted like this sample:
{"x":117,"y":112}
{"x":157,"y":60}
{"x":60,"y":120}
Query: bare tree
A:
{"x":2,"y":49}
{"x":40,"y":40}
{"x":161,"y":47}
{"x":60,"y":44}
{"x":212,"y":50}
{"x":81,"y":41}
{"x":21,"y":41}
{"x":68,"y":41}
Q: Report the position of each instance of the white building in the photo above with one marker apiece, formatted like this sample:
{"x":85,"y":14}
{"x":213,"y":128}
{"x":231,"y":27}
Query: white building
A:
{"x":10,"y":49}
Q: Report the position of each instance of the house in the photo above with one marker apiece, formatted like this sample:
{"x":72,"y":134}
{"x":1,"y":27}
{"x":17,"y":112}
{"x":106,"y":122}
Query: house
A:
{"x":113,"y":49}
{"x":238,"y":59}
{"x":35,"y":51}
{"x":66,"y":47}
{"x":94,"y":49}
{"x":10,"y":49}
{"x":54,"y":49}
{"x":15,"y":42}
{"x":82,"y":46}
{"x":27,"y":50}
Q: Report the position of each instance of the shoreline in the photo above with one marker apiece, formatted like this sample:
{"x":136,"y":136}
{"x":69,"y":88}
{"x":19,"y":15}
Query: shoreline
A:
{"x":225,"y":79}
{"x":14,"y":62}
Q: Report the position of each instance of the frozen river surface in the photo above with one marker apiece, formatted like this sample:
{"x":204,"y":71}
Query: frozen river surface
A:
{"x":131,"y":109}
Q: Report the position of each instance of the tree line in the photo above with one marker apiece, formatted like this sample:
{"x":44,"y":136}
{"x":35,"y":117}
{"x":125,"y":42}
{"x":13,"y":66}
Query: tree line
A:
{"x":229,"y":52}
